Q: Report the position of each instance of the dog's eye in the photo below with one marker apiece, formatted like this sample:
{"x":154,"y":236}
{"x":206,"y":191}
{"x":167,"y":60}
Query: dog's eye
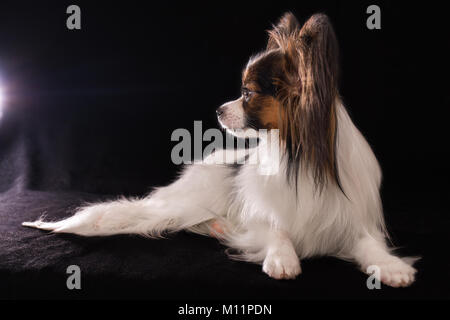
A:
{"x":246,"y":94}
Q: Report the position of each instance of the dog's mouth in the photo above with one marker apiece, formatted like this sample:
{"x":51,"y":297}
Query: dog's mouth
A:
{"x":230,"y":124}
{"x":240,"y":131}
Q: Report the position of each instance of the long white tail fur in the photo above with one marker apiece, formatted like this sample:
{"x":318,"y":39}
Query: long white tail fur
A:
{"x":200,"y":194}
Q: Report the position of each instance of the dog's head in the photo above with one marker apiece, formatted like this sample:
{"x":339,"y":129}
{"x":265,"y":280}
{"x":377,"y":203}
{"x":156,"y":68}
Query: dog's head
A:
{"x":292,"y":87}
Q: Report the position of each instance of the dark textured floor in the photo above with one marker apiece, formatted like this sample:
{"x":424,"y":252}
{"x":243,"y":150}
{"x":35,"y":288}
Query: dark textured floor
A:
{"x":33,"y":263}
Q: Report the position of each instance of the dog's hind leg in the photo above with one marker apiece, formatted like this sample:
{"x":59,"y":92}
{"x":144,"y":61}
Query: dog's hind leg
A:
{"x":199,"y":195}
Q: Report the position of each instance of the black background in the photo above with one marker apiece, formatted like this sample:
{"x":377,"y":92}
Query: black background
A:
{"x":91,"y":112}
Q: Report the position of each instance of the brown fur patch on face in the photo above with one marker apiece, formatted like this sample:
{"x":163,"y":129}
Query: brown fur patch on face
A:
{"x":263,"y":112}
{"x":252,"y":86}
{"x":261,"y":106}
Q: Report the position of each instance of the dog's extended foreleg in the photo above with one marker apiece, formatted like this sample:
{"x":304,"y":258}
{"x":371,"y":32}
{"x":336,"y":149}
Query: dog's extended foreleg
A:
{"x":281,"y":261}
{"x":266,"y":245}
{"x":200,"y":194}
{"x":394,"y":271}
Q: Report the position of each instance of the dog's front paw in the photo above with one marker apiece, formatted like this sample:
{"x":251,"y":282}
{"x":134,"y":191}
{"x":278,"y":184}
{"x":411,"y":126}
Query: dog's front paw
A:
{"x":282,"y":265}
{"x":396,"y":273}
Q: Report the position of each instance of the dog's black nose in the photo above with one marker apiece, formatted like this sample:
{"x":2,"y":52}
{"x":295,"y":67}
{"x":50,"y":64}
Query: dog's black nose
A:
{"x":219,"y":111}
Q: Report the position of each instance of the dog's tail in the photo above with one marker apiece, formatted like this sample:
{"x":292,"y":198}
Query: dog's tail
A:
{"x":148,"y":217}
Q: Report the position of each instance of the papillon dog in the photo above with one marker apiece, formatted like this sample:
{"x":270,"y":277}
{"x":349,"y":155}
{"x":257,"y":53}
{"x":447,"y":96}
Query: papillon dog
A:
{"x":323,"y":199}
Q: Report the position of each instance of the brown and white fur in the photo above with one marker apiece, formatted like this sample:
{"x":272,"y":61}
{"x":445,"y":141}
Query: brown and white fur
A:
{"x":325,"y":198}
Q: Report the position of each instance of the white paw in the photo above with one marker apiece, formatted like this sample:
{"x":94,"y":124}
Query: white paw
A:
{"x":282,"y":265}
{"x":396,"y":273}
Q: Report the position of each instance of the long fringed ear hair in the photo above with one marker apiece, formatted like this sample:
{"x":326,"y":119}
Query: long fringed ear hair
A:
{"x":308,"y":92}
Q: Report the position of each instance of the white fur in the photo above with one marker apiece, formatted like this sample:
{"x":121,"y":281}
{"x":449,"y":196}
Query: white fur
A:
{"x":233,"y":120}
{"x":233,"y":116}
{"x":261,"y":215}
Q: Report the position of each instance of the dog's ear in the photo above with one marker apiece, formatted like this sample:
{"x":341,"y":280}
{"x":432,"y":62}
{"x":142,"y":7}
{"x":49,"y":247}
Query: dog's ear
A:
{"x":310,"y":116}
{"x":285,"y":36}
{"x":319,"y":51}
{"x":286,"y":30}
